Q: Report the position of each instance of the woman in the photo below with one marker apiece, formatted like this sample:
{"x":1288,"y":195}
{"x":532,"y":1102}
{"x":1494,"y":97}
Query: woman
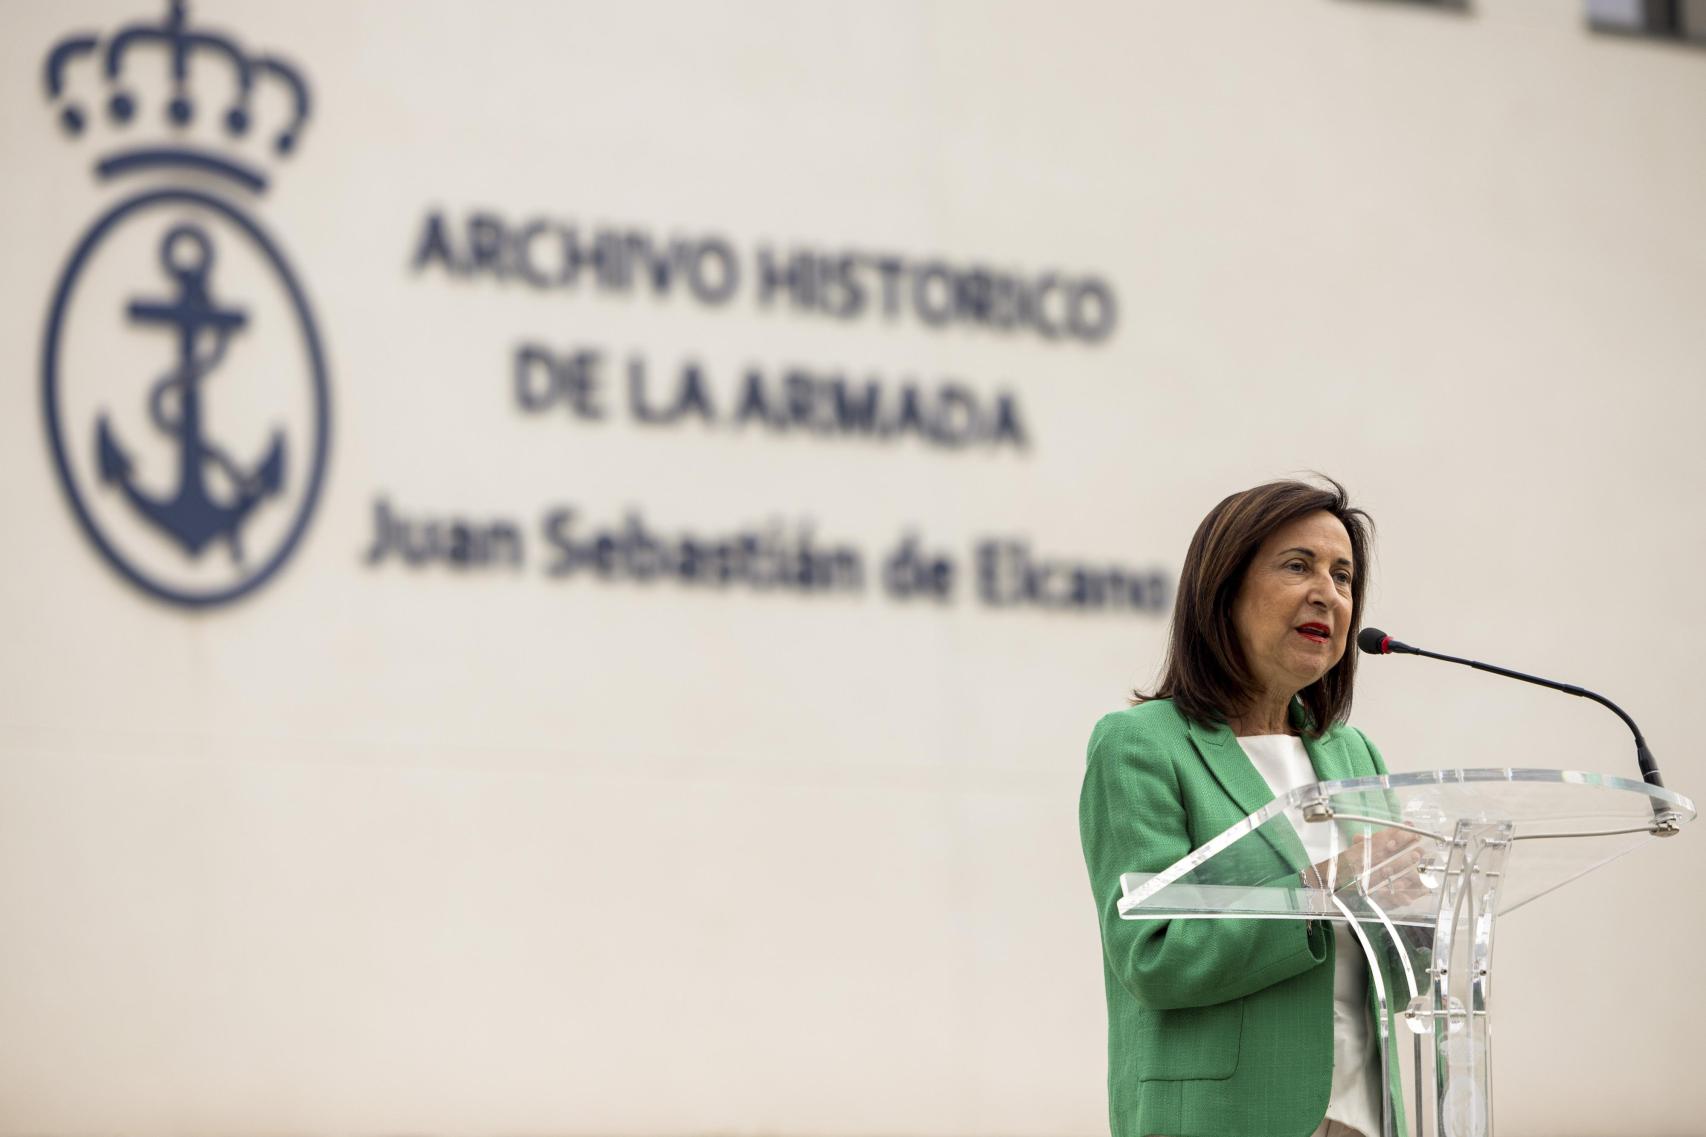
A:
{"x":1237,"y":1028}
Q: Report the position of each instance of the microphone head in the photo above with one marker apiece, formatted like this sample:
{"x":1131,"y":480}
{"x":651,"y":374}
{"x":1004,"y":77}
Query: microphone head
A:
{"x":1374,"y":641}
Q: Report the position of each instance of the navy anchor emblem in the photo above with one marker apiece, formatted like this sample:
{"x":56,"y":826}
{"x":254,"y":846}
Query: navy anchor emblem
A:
{"x":150,"y":459}
{"x":192,"y":516}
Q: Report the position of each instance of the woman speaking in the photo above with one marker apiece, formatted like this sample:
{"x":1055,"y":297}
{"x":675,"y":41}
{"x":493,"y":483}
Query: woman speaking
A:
{"x":1237,"y":1028}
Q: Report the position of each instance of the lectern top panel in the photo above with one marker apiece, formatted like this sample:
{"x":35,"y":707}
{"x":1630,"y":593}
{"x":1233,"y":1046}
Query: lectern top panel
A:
{"x":1375,"y":849}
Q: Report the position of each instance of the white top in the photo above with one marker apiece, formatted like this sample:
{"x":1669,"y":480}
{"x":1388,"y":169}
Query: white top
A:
{"x":1284,"y":765}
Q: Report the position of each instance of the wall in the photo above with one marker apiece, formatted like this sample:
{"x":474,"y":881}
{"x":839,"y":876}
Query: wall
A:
{"x":469,"y":846}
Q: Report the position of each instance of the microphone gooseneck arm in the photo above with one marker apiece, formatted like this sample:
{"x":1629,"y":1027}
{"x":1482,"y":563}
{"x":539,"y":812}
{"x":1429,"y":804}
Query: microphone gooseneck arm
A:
{"x":1376,"y":642}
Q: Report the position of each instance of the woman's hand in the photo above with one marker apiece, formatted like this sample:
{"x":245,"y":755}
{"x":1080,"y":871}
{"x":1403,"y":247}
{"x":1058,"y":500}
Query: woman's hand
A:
{"x":1387,"y":862}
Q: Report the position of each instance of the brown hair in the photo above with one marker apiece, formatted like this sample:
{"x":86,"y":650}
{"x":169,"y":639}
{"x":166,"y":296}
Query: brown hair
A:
{"x":1205,"y":672}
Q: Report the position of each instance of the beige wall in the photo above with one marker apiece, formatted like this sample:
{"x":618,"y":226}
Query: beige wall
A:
{"x":382,"y":850}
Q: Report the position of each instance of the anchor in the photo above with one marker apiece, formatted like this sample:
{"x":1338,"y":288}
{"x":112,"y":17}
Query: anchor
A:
{"x":191,"y":515}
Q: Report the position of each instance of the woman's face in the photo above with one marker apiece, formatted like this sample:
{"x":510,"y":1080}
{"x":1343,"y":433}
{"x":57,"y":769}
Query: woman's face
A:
{"x":1293,"y":610}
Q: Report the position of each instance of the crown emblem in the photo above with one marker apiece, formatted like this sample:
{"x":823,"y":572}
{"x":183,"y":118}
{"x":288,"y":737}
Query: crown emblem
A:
{"x":78,"y":62}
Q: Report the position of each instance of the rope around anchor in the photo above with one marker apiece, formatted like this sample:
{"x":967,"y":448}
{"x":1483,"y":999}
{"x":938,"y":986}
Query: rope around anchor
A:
{"x":179,"y":378}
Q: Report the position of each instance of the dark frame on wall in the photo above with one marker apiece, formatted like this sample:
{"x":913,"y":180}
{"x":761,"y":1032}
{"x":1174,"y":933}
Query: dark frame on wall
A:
{"x":1678,"y":21}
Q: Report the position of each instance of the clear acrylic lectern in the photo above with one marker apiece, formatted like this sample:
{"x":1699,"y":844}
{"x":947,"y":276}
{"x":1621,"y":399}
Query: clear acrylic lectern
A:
{"x":1419,"y":866}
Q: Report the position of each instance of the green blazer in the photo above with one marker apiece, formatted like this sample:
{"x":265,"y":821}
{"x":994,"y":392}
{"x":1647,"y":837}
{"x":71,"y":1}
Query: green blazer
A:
{"x":1216,"y":1028}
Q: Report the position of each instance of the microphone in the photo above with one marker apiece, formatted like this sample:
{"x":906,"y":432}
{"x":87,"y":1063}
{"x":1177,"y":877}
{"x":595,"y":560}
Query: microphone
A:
{"x":1376,"y":642}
